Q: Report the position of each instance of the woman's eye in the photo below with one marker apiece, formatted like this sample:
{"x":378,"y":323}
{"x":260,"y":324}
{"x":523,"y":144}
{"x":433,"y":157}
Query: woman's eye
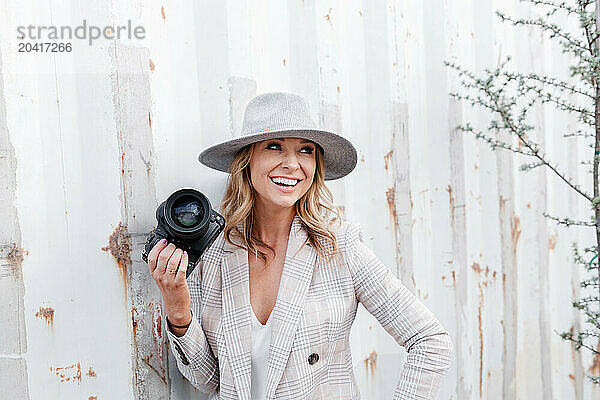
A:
{"x":277,"y":146}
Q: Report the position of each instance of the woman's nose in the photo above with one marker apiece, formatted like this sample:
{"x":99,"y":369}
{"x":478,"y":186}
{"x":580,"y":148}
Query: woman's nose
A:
{"x":290,"y":161}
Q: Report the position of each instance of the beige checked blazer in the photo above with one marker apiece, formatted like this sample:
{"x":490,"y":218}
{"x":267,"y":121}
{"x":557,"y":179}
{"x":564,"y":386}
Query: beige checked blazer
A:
{"x":309,"y":356}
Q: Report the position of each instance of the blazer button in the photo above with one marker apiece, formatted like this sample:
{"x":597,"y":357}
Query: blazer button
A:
{"x":313,"y":358}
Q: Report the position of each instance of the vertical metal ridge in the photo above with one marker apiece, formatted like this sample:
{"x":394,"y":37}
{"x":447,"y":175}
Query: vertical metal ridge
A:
{"x":13,"y":335}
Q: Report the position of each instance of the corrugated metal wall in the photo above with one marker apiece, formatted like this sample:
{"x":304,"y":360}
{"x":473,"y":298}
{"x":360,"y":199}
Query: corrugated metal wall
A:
{"x":93,"y":140}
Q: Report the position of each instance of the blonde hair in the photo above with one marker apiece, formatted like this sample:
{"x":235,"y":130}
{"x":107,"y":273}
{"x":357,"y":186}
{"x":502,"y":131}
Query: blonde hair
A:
{"x":316,"y":209}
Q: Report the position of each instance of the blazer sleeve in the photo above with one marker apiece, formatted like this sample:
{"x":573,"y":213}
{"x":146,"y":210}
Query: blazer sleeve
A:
{"x":195,"y":359}
{"x":404,"y":317}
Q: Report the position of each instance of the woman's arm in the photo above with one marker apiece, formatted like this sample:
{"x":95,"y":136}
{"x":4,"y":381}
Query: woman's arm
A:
{"x":404,"y":317}
{"x":194,"y":356}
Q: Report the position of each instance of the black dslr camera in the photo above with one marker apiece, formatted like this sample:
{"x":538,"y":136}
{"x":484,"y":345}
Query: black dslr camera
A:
{"x":187,"y":220}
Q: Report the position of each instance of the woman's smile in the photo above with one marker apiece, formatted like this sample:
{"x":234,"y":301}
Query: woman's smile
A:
{"x":286,"y":185}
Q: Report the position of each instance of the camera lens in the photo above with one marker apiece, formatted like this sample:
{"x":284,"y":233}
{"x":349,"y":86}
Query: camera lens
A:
{"x":187,"y":212}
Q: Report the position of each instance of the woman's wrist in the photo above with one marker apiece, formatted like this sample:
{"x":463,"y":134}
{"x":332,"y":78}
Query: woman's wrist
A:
{"x":180,"y":323}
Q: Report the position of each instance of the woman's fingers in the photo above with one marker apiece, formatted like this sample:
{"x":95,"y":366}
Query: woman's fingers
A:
{"x":153,"y":255}
{"x":181,"y":272}
{"x":173,"y":262}
{"x":163,"y":259}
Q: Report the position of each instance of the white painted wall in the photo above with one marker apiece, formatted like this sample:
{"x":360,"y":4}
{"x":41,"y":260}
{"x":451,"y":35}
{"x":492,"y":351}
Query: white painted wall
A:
{"x":93,"y":140}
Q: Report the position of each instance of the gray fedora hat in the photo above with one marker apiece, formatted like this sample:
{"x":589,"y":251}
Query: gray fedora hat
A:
{"x":280,"y":115}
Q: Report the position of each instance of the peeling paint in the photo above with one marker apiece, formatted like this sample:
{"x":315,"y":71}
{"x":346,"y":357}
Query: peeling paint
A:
{"x":119,"y":245}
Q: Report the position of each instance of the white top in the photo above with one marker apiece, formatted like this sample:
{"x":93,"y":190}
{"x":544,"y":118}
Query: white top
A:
{"x":260,"y":336}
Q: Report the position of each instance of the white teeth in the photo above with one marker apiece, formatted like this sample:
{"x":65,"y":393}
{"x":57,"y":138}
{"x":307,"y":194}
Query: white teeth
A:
{"x":290,"y":182}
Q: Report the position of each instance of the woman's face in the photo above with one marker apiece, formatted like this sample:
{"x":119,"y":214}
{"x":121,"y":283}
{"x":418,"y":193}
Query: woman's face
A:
{"x":282,"y":170}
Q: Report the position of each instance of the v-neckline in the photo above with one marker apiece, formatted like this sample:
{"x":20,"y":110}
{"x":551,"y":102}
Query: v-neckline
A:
{"x":256,"y":318}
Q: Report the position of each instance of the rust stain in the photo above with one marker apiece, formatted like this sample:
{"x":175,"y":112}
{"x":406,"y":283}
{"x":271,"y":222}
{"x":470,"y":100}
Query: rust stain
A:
{"x":387,"y":159}
{"x":91,"y":373}
{"x":362,"y":158}
{"x":453,"y":278}
{"x":162,"y":12}
{"x":328,"y":17}
{"x":552,"y":241}
{"x":515,"y":229}
{"x":572,"y":376}
{"x":14,"y":258}
{"x":360,"y":13}
{"x":151,"y":64}
{"x":158,"y":330}
{"x":119,"y":245}
{"x":477,"y":268}
{"x":93,"y":398}
{"x":73,"y":372}
{"x":479,"y":309}
{"x":528,"y":205}
{"x":46,"y":313}
{"x":595,"y":367}
{"x":149,"y":120}
{"x":390,"y":196}
{"x":451,"y":204}
{"x":16,"y":255}
{"x":338,"y":89}
{"x":371,"y":362}
{"x":161,"y":375}
{"x":284,"y":62}
{"x":521,"y":141}
{"x":134,"y":323}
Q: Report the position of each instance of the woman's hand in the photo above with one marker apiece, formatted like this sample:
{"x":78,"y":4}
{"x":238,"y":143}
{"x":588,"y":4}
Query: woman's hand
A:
{"x":168,"y":266}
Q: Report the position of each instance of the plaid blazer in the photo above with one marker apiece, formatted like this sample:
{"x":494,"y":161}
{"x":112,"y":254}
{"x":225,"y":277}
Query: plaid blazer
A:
{"x":309,"y":355}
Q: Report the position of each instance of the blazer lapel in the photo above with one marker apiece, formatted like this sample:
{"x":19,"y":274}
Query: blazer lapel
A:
{"x":236,"y":316}
{"x":297,"y":274}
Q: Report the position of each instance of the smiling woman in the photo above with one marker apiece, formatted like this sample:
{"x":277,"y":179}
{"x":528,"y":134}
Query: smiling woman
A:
{"x":267,"y":313}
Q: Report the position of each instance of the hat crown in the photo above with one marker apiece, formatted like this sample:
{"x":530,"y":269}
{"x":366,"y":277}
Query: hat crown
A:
{"x":276,"y":111}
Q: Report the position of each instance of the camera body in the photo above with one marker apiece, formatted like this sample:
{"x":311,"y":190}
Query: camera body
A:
{"x":187,"y":220}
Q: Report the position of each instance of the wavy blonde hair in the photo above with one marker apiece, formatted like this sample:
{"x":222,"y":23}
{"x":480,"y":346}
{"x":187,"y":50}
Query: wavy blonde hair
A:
{"x":316,"y":209}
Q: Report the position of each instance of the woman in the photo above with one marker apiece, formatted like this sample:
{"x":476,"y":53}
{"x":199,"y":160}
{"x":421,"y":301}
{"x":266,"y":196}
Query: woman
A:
{"x":267,"y":312}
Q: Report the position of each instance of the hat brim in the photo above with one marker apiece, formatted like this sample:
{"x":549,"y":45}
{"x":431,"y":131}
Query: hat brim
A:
{"x":338,"y":152}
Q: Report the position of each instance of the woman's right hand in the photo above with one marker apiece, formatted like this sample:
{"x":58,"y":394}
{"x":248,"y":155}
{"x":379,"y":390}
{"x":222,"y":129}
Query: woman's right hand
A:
{"x":168,"y":266}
